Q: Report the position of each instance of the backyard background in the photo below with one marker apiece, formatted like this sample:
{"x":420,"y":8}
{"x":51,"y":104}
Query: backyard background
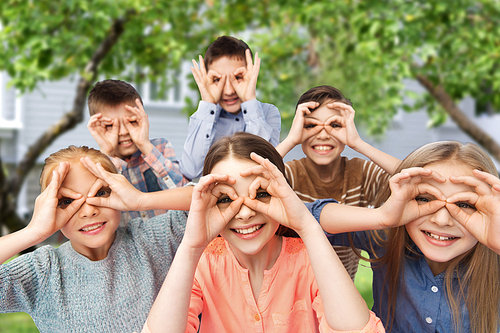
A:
{"x":416,"y":71}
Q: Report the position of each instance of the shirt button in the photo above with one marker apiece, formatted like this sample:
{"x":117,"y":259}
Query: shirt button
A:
{"x":434,"y":289}
{"x":244,"y":111}
{"x":428,"y":320}
{"x":257,"y":317}
{"x":208,"y":136}
{"x":212,"y":112}
{"x":237,"y":119}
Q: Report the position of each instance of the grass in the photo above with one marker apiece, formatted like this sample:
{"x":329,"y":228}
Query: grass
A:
{"x":22,"y":322}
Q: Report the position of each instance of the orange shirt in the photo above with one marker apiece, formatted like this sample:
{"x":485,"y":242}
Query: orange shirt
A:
{"x":288,"y":302}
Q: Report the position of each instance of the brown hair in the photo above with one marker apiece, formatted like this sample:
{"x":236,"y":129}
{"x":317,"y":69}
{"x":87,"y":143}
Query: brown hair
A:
{"x":323,"y":94}
{"x":111,"y":93}
{"x":478,"y":271}
{"x":72,"y":154}
{"x":226,"y":46}
{"x":240,"y":145}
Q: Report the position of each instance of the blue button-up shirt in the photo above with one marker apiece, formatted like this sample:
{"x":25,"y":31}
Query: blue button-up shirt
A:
{"x":421,"y":301}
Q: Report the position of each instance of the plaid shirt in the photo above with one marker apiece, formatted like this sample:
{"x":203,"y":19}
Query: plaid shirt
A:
{"x":164,"y":165}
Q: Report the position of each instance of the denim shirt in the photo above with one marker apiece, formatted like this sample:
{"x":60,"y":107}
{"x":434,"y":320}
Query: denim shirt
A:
{"x":421,"y":302}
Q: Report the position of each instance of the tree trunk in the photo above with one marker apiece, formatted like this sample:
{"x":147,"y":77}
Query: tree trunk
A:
{"x":11,"y":187}
{"x":459,"y":117}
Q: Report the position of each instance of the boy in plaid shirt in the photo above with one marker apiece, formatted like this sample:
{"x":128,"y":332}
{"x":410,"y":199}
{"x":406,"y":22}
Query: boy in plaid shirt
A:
{"x":120,"y":127}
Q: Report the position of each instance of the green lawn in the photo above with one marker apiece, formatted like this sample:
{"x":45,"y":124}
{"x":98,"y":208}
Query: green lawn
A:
{"x":22,"y":323}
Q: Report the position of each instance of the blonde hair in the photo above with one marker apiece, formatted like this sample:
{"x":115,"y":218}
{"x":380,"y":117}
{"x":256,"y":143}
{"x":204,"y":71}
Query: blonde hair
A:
{"x":478,"y":271}
{"x":72,"y":154}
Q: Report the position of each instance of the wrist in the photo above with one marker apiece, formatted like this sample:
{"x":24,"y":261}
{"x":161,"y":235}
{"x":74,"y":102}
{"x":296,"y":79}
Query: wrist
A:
{"x":145,"y":147}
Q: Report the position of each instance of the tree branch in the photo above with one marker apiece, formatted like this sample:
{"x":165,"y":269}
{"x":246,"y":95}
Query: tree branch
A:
{"x":459,"y":117}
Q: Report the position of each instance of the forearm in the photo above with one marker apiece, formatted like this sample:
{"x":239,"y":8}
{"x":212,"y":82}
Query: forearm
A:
{"x":385,"y":161}
{"x":285,"y":146}
{"x":344,"y":308}
{"x":171,"y":307}
{"x":16,"y":242}
{"x":172,"y":199}
{"x":337,"y":218}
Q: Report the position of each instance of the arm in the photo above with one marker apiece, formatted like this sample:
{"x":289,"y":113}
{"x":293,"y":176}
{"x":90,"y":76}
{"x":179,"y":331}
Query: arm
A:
{"x":126,"y":197}
{"x":399,"y":209}
{"x":47,"y":216}
{"x":162,"y":160}
{"x":299,"y":132}
{"x":479,"y":211}
{"x":351,"y":313}
{"x":199,"y":139}
{"x":349,"y":135}
{"x":205,"y":221}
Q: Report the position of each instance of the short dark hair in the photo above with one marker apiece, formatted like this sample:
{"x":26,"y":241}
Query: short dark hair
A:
{"x":226,"y":46}
{"x":321,"y":94}
{"x":111,"y":93}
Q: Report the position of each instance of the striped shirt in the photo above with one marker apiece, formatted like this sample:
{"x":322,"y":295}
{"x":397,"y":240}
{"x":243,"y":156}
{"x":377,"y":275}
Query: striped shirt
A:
{"x":358,"y":187}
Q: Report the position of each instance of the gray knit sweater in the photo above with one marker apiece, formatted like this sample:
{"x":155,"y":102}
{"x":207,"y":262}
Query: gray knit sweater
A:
{"x":64,"y":291}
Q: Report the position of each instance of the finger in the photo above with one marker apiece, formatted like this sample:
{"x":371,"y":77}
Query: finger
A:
{"x":257,"y":183}
{"x":98,"y":184}
{"x":469,"y":197}
{"x":257,"y":205}
{"x":256,"y":68}
{"x":487,"y":177}
{"x":232,"y":209}
{"x":309,"y":105}
{"x":90,"y":165}
{"x":340,"y":106}
{"x":458,"y":214}
{"x":480,"y":186}
{"x":63,"y":169}
{"x":425,"y":188}
{"x":73,"y":207}
{"x":249,"y":58}
{"x":68,"y":193}
{"x":272,"y":170}
{"x":431,"y":207}
{"x":223,"y":189}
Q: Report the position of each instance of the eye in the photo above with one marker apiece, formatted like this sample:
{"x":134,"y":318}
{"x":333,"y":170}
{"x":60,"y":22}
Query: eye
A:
{"x":103,"y":192}
{"x":239,"y":77}
{"x":465,"y":205}
{"x":422,"y":200}
{"x":216,"y":80}
{"x":224,"y":200}
{"x":335,"y":125}
{"x":262,"y":195}
{"x":309,"y":125}
{"x":64,"y":202}
{"x":108,"y":127}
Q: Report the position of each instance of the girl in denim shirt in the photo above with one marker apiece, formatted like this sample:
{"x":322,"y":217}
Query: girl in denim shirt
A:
{"x":437,"y":268}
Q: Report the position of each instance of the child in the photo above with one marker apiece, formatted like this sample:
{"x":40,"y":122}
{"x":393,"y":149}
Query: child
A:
{"x":438,"y":270}
{"x":120,"y":127}
{"x":252,"y":277}
{"x":227,"y":81}
{"x":323,"y":125}
{"x":106,"y":277}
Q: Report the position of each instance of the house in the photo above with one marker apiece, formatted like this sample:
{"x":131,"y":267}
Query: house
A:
{"x":24,"y":118}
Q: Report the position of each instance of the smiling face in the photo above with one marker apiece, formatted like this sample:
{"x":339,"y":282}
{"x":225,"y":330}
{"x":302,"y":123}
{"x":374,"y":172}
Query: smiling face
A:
{"x":323,"y":148}
{"x":249,"y":232}
{"x":91,"y":229}
{"x":229,"y":99}
{"x":439,"y":236}
{"x":126,"y":147}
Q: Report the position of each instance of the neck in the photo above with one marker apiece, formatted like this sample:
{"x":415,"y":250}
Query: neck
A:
{"x":263,"y":260}
{"x":327,"y":172}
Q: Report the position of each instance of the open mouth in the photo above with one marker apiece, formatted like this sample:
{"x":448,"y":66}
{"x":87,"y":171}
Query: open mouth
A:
{"x":439,"y":238}
{"x":323,"y":148}
{"x":125,"y":143}
{"x":231,"y":100}
{"x":248,"y":231}
{"x":93,"y":227}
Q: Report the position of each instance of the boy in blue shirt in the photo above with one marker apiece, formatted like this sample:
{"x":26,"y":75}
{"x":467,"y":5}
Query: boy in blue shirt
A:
{"x":120,"y":127}
{"x":227,"y":80}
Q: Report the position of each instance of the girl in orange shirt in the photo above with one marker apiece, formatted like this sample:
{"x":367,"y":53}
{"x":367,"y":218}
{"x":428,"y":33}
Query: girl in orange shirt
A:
{"x":254,"y":279}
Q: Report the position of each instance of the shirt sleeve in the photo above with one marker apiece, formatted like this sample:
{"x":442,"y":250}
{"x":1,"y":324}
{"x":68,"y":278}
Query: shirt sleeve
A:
{"x":199,"y":139}
{"x":22,"y":280}
{"x":119,"y":164}
{"x":262,"y":119}
{"x":195,"y":307}
{"x":162,"y":161}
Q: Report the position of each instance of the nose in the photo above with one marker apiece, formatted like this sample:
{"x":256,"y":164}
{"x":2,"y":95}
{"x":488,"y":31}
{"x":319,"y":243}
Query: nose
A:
{"x":228,"y":88}
{"x":442,"y":218}
{"x":122,"y":130}
{"x":87,"y":211}
{"x":323,"y":134}
{"x":245,"y":213}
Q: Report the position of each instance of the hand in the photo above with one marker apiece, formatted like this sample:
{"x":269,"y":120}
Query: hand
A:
{"x":124,"y":196}
{"x":284,"y":206}
{"x":244,"y":80}
{"x":138,"y":127}
{"x":303,"y":129}
{"x":342,"y":127}
{"x":401,"y":207}
{"x":206,"y":220}
{"x":483,"y":222}
{"x":105,"y":131}
{"x":210,"y":84}
{"x":55,"y":206}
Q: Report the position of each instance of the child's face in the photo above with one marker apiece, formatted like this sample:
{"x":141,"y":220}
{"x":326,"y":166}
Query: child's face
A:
{"x":322,"y":148}
{"x":126,"y":147}
{"x":249,"y":232}
{"x":229,"y":99}
{"x":439,"y":236}
{"x":91,"y":229}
